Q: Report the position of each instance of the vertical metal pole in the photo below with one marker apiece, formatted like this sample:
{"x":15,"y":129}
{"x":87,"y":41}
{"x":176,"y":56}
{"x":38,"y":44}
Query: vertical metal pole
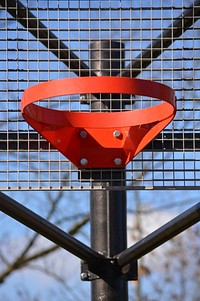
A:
{"x":108,"y":208}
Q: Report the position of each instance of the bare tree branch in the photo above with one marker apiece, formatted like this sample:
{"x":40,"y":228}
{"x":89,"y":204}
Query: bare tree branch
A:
{"x":21,"y":262}
{"x":56,"y":277}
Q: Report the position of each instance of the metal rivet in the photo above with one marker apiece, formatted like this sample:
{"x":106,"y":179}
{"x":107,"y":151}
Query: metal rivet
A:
{"x":116,"y":134}
{"x":83,"y":134}
{"x":84,"y":161}
{"x":118,"y":161}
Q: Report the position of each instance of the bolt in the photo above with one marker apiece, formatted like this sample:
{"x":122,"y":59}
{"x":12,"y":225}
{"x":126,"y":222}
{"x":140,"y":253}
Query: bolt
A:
{"x":116,"y":134}
{"x":118,"y":161}
{"x":82,"y":97}
{"x":84,"y":276}
{"x":83,"y":134}
{"x":84,"y":161}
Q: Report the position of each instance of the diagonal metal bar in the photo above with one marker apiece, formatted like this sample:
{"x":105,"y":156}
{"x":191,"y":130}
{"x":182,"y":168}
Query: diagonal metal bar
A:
{"x":163,"y":41}
{"x":160,"y":236}
{"x":50,"y":231}
{"x":46,"y":37}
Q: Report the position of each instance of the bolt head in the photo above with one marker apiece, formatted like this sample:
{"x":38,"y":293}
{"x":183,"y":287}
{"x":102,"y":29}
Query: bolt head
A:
{"x":84,"y":276}
{"x":118,"y":161}
{"x":82,"y":97}
{"x":83,"y":134}
{"x":84,"y":161}
{"x":116,"y":134}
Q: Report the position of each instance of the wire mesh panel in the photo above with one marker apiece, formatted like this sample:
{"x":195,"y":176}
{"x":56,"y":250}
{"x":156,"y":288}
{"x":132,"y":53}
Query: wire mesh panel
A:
{"x":48,"y":40}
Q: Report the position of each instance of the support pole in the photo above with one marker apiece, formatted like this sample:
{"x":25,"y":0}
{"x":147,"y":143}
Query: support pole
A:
{"x":108,"y":208}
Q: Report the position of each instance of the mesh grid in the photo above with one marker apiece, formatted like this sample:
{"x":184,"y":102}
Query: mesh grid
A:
{"x":46,"y":40}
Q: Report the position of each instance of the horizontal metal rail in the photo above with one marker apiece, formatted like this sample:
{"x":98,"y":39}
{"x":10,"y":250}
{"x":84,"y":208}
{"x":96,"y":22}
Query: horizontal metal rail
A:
{"x":164,"y":142}
{"x":160,"y":236}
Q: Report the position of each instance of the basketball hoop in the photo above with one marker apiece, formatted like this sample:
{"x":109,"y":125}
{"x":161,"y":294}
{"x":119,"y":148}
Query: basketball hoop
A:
{"x":99,"y":139}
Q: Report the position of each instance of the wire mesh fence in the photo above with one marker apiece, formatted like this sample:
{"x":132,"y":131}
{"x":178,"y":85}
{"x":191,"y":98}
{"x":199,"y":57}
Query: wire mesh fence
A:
{"x":48,"y":40}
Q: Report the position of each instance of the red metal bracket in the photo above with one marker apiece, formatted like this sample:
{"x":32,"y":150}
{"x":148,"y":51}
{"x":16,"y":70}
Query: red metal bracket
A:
{"x":99,"y":140}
